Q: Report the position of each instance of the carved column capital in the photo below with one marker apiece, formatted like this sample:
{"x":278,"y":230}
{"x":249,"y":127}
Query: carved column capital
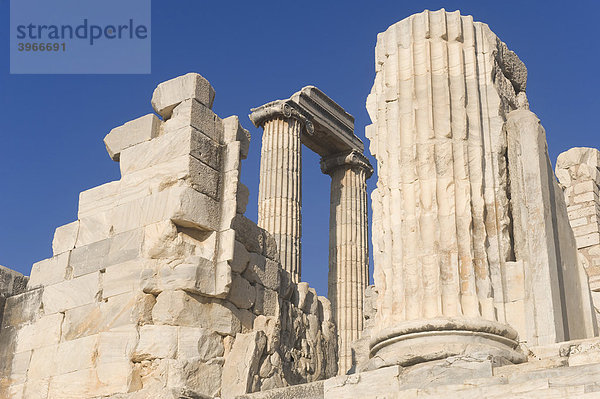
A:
{"x":281,"y":109}
{"x":349,"y":159}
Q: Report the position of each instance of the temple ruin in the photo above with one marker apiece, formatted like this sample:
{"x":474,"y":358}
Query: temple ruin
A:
{"x":311,"y":118}
{"x":486,"y":266}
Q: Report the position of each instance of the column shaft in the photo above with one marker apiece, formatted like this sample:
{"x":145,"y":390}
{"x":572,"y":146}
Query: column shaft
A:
{"x":443,"y":235}
{"x":348,"y":248}
{"x":280,"y":191}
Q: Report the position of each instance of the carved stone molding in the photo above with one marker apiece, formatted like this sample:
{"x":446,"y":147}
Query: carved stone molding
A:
{"x":351,"y":159}
{"x":278,"y":109}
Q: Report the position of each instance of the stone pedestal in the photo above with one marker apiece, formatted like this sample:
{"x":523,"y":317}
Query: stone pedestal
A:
{"x":348,"y":247}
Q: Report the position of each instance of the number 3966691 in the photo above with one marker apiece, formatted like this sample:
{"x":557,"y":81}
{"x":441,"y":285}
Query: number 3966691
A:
{"x":41,"y":47}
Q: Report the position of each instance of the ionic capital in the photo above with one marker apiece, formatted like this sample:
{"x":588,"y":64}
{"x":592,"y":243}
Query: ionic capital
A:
{"x":349,"y":159}
{"x":278,"y":109}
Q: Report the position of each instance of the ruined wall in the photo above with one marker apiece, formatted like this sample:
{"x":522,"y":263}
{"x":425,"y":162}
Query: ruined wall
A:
{"x":11,"y":283}
{"x":162,"y":287}
{"x":579,"y":175}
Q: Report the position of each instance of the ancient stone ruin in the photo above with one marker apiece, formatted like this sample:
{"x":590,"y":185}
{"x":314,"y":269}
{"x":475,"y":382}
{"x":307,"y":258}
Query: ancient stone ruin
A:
{"x":486,"y":267}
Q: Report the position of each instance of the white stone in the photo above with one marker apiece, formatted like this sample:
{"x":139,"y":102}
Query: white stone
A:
{"x":94,"y":228}
{"x":117,"y":345}
{"x":544,"y":239}
{"x":585,"y":187}
{"x":196,"y":376}
{"x":234,"y":131}
{"x":162,"y":240}
{"x":201,"y":343}
{"x":96,"y":200}
{"x":441,"y":218}
{"x":74,"y":355}
{"x":117,"y":311}
{"x":192,"y":209}
{"x":156,"y":342}
{"x":186,"y":140}
{"x":43,"y":332}
{"x":49,"y":271}
{"x":178,"y":308}
{"x":194,"y":274}
{"x":131,"y":133}
{"x":65,"y":237}
{"x":588,"y":240}
{"x":42,"y":364}
{"x":89,"y":258}
{"x":19,"y":367}
{"x":584,"y":230}
{"x":122,"y":278}
{"x":71,"y":293}
{"x":242,"y":364}
{"x":169,"y":94}
{"x":182,"y":170}
{"x":91,"y":382}
{"x":197,"y":115}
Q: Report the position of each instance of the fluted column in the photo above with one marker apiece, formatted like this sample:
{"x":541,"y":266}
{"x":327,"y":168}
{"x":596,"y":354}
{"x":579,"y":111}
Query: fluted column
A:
{"x":280,"y":188}
{"x":348,"y":246}
{"x":442,"y":229}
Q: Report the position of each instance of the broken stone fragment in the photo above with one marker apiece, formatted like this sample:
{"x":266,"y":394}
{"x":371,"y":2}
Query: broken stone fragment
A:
{"x":242,"y":294}
{"x":156,"y":342}
{"x":70,"y":294}
{"x":242,"y":364}
{"x":263,"y":271}
{"x":195,"y":275}
{"x":65,"y":237}
{"x":131,"y":133}
{"x":233,"y":131}
{"x":240,"y":259}
{"x":200,"y":343}
{"x":49,"y":271}
{"x":179,"y":308}
{"x":169,"y":94}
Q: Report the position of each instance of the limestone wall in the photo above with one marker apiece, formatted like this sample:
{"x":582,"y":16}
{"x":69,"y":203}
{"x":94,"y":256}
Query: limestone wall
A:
{"x":162,"y":287}
{"x":11,"y":283}
{"x":578,"y":172}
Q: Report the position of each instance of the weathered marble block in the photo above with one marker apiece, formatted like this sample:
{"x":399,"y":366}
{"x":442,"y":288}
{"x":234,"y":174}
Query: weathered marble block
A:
{"x":172,"y":92}
{"x":131,"y":133}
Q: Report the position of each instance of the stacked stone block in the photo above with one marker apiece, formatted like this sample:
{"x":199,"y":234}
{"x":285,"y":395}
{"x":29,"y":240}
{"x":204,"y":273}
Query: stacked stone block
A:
{"x":160,"y":285}
{"x":578,"y":172}
{"x":11,"y":283}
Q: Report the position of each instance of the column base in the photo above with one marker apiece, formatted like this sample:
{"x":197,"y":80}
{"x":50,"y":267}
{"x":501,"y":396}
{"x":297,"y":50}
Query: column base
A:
{"x":420,"y":341}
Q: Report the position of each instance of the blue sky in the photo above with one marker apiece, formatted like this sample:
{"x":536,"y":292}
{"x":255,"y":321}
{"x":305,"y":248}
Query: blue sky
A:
{"x":253,"y":52}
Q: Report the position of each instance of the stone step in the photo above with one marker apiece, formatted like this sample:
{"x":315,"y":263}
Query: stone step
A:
{"x":558,"y":382}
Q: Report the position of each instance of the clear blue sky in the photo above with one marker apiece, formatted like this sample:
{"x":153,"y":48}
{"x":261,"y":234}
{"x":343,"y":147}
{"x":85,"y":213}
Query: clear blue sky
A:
{"x":253,"y":52}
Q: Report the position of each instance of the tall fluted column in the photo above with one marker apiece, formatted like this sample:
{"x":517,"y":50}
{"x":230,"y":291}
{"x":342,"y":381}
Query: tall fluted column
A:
{"x":348,"y":246}
{"x":442,"y":234}
{"x":280,"y":189}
